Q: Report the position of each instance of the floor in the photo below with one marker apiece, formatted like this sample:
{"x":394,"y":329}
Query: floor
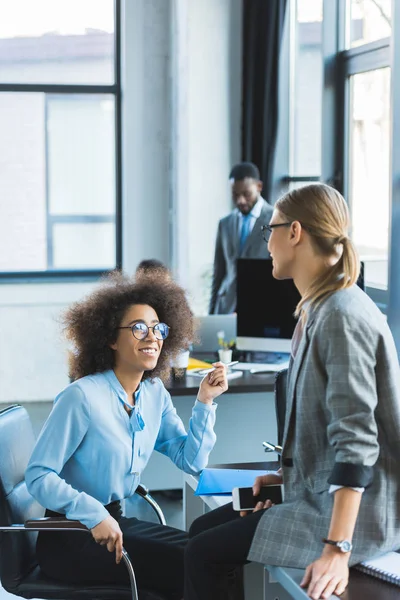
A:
{"x":170,"y":503}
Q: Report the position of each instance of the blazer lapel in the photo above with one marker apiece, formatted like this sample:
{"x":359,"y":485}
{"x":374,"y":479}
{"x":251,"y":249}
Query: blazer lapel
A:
{"x":255,"y":234}
{"x":293,"y":374}
{"x":234,"y":234}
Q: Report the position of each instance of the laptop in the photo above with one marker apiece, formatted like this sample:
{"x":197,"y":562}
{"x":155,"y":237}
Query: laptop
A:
{"x":207,"y":328}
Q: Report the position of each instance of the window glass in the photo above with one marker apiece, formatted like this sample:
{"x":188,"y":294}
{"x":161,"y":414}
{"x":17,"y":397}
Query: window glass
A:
{"x":83,"y":246}
{"x":57,"y":164}
{"x":370,"y":171}
{"x":306,"y":88}
{"x":81,"y":154}
{"x":57,"y":41}
{"x":23,"y":235}
{"x":370,"y":20}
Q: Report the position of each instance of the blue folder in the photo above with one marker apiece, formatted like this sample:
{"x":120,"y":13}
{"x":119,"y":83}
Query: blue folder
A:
{"x":220,"y":482}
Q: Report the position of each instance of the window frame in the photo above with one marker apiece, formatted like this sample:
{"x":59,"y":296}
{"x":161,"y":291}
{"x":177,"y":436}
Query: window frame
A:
{"x":298,"y":178}
{"x":339,"y":65}
{"x":352,"y":61}
{"x":393,"y":309}
{"x":114,"y":90}
{"x":282,"y":174}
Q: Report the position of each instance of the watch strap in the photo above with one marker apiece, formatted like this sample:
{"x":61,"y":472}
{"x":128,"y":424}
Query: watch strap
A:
{"x":331,"y":542}
{"x":344,"y":545}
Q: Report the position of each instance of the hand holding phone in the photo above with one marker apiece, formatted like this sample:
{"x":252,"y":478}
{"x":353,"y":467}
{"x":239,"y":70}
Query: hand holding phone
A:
{"x":270,"y":478}
{"x":244,"y":499}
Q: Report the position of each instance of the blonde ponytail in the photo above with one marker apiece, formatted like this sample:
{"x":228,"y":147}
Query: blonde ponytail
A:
{"x":323,"y":213}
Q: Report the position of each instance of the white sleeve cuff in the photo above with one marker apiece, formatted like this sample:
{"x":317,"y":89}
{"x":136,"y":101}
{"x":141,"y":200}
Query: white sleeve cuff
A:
{"x":335,"y":488}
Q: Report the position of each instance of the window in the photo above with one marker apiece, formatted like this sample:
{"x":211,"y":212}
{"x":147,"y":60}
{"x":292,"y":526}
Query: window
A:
{"x":365,"y":74}
{"x":370,"y":20}
{"x":59,"y":148}
{"x":306,"y":92}
{"x":369,"y":166}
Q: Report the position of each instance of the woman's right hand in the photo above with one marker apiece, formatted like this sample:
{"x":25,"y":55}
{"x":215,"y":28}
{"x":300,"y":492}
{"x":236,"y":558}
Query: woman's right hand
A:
{"x":108,"y":533}
{"x":260,"y":481}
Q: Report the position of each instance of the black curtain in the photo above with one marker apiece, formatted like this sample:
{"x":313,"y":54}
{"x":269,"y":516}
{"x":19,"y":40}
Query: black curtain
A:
{"x":263,"y":22}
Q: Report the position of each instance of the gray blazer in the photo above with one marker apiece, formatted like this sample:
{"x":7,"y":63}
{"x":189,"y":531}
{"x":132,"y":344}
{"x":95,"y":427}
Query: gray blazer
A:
{"x":223,"y":290}
{"x":342,"y":425}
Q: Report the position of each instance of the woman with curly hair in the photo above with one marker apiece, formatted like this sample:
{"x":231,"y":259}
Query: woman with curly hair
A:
{"x":105,"y":425}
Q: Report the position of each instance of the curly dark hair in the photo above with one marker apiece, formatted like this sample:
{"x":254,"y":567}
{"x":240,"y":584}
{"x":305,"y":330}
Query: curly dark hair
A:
{"x":91,"y":324}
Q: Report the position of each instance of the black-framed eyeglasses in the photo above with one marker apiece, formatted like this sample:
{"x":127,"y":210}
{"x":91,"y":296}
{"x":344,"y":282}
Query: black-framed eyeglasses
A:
{"x":270,"y":228}
{"x":140,"y":331}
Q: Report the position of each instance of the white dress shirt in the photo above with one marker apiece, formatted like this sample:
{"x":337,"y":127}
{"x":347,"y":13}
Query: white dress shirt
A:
{"x":254,"y":214}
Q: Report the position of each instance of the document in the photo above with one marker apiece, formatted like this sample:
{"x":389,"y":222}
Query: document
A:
{"x":385,"y":567}
{"x":220,"y":482}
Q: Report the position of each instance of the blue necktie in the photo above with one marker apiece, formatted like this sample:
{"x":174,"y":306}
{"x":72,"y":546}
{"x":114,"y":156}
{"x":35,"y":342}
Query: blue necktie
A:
{"x":244,"y":231}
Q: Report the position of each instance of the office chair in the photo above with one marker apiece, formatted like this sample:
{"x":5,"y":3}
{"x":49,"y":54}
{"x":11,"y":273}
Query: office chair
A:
{"x":280,"y":390}
{"x":21,"y":516}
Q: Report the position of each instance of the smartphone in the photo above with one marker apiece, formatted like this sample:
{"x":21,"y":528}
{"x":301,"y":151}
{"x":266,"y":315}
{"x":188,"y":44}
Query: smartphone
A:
{"x":243,"y":498}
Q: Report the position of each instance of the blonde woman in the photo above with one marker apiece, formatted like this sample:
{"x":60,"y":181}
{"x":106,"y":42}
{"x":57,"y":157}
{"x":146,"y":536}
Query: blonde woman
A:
{"x":342,"y":431}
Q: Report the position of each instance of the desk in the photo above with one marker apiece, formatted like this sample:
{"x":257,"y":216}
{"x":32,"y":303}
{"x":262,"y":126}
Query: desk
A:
{"x":279,"y":583}
{"x":248,"y":383}
{"x":245,"y":418}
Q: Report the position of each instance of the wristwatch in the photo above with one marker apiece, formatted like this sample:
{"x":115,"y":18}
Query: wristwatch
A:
{"x":344,"y":545}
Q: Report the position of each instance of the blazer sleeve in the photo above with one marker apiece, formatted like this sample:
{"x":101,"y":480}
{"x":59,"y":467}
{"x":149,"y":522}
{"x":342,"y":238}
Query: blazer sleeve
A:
{"x":219,"y":270}
{"x":350,"y":348}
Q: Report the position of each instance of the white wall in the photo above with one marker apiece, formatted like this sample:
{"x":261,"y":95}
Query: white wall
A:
{"x":146,"y":130}
{"x":33,"y":363}
{"x":32,"y":354}
{"x":208,"y":115}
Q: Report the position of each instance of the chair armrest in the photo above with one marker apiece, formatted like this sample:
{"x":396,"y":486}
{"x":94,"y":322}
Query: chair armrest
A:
{"x":54,"y":522}
{"x":61,"y":524}
{"x":141,"y":490}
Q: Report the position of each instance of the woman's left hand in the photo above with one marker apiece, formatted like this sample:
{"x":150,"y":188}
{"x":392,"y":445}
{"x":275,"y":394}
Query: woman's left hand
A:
{"x":328,"y":575}
{"x":213,"y":384}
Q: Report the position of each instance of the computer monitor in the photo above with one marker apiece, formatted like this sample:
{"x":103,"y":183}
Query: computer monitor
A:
{"x":265,"y":307}
{"x":361,"y":279}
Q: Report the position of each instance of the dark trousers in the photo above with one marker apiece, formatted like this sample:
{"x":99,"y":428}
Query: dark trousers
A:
{"x":156,"y":552}
{"x":216,"y":552}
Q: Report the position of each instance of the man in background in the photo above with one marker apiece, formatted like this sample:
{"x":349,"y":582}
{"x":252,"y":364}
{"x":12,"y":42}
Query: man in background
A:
{"x":239,"y":235}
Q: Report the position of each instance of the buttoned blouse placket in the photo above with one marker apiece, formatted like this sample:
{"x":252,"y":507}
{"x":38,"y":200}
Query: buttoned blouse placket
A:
{"x":131,"y":430}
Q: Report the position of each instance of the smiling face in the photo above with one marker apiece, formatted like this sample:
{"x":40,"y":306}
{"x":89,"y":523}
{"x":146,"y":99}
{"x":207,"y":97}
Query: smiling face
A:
{"x":133,"y":354}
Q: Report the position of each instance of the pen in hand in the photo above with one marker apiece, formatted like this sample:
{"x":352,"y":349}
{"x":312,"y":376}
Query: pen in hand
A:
{"x":268,"y":447}
{"x":205,"y":371}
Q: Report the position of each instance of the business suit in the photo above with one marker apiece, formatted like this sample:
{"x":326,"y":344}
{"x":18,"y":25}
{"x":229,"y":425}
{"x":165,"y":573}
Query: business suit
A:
{"x":227,"y":251}
{"x":342,"y":426}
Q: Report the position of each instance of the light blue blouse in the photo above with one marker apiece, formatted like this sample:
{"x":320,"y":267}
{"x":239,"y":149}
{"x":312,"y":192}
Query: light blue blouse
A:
{"x":90,"y":452}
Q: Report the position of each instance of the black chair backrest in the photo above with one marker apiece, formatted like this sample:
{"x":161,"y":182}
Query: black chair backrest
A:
{"x":17,"y":550}
{"x":280,"y":402}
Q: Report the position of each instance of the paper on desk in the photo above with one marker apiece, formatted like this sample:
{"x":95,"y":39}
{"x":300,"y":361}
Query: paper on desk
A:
{"x":270,"y":367}
{"x":194,"y":363}
{"x":220,"y":482}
